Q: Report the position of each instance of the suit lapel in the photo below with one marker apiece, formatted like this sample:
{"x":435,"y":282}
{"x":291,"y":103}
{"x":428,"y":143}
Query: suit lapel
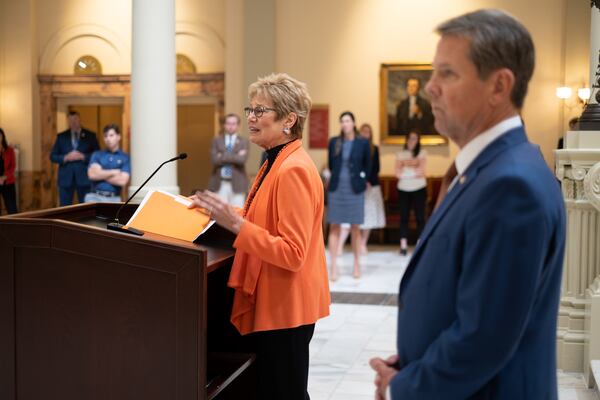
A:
{"x":221,"y":142}
{"x":354,"y":151}
{"x":462,"y":183}
{"x":503,"y":143}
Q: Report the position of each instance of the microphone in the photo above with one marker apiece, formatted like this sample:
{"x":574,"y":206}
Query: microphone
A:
{"x":116,"y":225}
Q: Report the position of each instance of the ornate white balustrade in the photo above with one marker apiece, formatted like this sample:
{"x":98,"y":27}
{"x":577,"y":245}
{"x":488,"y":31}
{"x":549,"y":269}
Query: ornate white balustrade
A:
{"x":578,"y":169}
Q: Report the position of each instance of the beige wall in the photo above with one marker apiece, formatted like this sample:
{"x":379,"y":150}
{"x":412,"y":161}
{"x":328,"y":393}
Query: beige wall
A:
{"x":336,"y":46}
{"x":47,"y":37}
{"x":201,"y":32}
{"x":69,"y":29}
{"x":576,"y":46}
{"x":340,"y":51}
{"x":18,"y":79}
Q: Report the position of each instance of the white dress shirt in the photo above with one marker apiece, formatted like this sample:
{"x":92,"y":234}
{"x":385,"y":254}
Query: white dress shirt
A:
{"x":472,"y":149}
{"x":475,"y":147}
{"x":226,"y":170}
{"x":230,"y":139}
{"x":408,"y":181}
{"x":412,"y":102}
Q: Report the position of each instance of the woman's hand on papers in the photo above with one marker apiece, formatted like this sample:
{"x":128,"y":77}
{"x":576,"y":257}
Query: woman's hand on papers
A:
{"x":223,"y":214}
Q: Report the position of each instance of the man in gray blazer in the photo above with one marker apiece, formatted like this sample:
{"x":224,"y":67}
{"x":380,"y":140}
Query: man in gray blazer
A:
{"x":228,"y":155}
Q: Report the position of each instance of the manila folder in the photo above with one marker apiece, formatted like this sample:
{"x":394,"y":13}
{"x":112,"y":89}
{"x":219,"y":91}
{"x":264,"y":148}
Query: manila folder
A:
{"x":168,"y":214}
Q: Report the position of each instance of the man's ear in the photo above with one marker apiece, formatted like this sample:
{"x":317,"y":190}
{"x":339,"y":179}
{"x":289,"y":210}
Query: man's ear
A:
{"x":503,"y":82}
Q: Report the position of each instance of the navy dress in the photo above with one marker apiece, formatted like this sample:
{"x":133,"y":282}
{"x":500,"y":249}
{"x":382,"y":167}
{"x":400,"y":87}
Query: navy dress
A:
{"x":343,"y":205}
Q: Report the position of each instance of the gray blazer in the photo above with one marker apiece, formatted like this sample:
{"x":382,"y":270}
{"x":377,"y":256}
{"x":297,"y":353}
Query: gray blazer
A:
{"x":220,"y":157}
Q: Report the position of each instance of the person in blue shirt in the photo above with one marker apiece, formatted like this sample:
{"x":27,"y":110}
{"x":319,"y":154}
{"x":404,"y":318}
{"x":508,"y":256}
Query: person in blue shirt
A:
{"x":109,"y":169}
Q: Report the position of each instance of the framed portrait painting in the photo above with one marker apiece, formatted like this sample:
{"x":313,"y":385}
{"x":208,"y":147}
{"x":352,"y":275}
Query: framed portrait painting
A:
{"x":404,"y":105}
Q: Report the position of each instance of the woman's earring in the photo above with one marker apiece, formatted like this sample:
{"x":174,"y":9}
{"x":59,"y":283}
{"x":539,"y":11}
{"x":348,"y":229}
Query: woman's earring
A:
{"x":286,"y":131}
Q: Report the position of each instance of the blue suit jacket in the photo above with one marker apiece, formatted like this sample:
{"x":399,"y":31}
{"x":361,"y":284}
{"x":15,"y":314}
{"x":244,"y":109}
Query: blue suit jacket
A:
{"x":73,"y":173}
{"x":360,"y":163}
{"x":478,"y":303}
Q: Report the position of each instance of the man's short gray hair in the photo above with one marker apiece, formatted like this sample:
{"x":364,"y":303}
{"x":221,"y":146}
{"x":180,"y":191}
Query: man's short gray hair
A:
{"x":497,"y":40}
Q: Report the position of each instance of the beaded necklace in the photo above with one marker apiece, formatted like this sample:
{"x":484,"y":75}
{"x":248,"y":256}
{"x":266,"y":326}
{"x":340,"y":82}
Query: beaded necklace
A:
{"x":259,"y":179}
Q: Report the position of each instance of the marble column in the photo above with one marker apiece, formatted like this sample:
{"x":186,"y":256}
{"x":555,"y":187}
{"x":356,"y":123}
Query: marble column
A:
{"x":153,"y":95}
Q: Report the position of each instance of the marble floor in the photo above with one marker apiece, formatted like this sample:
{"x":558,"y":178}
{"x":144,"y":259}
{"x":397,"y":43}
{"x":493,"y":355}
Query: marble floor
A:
{"x":345,"y":341}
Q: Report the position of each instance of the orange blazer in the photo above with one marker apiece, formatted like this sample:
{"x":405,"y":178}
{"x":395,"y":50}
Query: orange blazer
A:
{"x":279,"y":271}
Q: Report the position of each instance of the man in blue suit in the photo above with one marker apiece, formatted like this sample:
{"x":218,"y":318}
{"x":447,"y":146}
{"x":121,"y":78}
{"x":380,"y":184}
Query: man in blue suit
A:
{"x":72,"y":151}
{"x":478,"y":303}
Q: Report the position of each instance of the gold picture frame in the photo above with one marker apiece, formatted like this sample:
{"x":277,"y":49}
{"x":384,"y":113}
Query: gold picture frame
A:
{"x":399,"y":114}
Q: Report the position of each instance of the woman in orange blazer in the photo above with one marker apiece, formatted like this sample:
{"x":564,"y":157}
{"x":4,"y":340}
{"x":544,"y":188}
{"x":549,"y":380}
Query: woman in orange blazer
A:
{"x":279,"y":271}
{"x":7,"y":175}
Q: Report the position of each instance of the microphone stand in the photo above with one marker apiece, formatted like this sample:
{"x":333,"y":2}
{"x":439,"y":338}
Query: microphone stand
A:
{"x":116,"y":225}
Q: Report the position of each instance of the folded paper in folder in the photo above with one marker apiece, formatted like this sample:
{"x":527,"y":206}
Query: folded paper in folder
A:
{"x":168,"y":214}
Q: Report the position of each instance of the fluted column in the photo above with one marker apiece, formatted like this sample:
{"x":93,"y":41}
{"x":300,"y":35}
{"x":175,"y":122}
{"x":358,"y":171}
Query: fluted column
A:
{"x":153,"y":95}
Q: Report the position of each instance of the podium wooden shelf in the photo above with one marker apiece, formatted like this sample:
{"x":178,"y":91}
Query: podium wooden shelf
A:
{"x":87,"y":313}
{"x":223,"y":369}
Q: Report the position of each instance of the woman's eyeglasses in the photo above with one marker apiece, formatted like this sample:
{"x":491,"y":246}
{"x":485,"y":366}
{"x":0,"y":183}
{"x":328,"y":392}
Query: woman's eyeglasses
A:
{"x":257,"y":111}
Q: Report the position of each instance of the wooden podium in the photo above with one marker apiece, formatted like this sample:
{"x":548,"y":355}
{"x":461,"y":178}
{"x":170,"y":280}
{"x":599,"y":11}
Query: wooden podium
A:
{"x":87,"y":313}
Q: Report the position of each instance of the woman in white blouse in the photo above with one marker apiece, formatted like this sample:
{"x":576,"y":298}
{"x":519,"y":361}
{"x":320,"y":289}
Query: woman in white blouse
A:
{"x":412,"y":186}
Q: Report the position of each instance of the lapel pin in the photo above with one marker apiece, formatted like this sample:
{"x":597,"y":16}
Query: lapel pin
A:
{"x":462,"y":180}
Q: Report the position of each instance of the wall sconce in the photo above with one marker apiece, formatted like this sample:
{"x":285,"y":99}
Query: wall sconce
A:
{"x":584,"y":94}
{"x":565,"y":93}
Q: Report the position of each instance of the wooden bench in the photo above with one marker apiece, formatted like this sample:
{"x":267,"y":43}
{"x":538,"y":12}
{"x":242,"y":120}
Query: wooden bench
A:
{"x":391,"y":233}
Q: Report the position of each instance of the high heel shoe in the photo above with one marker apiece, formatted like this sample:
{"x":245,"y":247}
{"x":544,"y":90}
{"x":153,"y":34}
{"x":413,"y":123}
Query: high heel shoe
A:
{"x":403,"y":252}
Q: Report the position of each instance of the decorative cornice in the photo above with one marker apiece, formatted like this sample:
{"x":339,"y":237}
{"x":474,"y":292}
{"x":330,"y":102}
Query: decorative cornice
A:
{"x":209,"y":77}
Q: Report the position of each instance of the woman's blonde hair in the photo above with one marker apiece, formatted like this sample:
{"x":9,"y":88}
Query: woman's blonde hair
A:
{"x":287,"y":94}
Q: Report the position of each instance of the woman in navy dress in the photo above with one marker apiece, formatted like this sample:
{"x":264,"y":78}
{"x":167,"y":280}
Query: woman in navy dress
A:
{"x":349,"y":163}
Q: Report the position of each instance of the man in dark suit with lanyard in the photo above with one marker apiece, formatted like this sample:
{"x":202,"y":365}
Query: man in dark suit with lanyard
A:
{"x":478,"y":303}
{"x":72,"y":151}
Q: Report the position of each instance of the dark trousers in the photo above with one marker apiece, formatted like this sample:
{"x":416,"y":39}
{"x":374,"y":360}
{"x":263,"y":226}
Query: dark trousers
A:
{"x":9,"y":195}
{"x":415,"y":200}
{"x":66,"y":194}
{"x":282,"y":362}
